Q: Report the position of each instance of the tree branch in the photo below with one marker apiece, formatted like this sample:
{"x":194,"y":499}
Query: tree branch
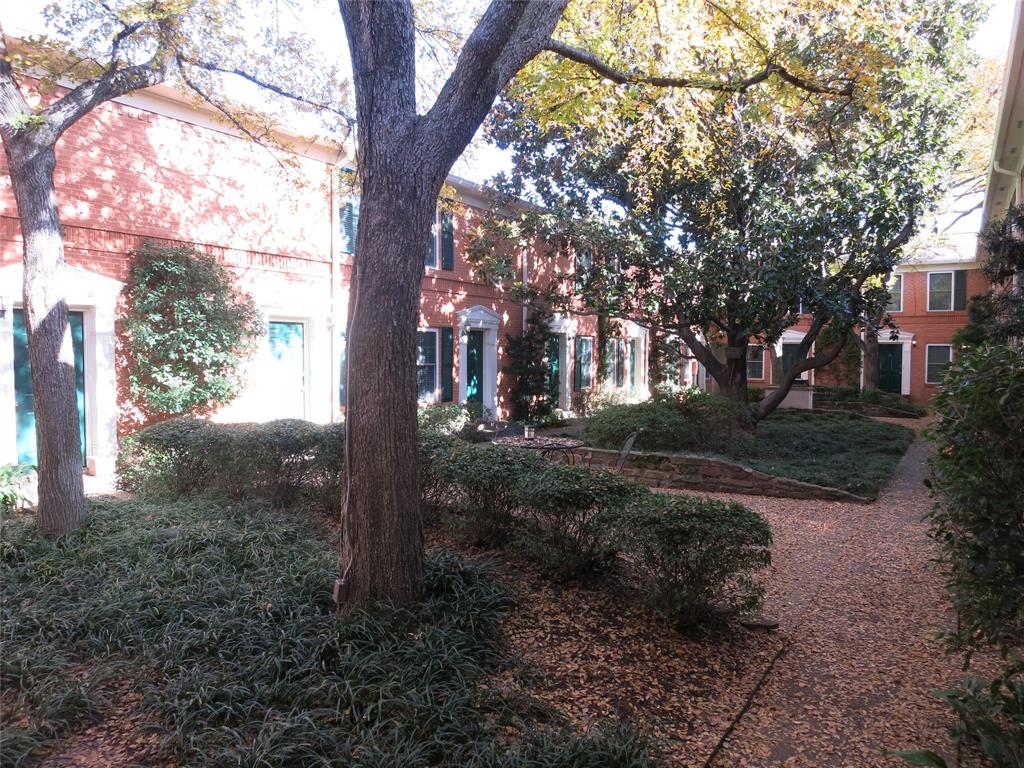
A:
{"x":622,"y":77}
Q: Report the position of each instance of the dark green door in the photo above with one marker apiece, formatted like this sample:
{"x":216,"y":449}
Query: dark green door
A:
{"x":890,"y":367}
{"x":551,"y":352}
{"x":24,"y":402}
{"x":475,"y":367}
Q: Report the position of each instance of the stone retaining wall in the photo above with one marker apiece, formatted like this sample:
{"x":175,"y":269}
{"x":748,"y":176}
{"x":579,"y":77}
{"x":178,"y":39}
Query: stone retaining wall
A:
{"x":659,"y":470}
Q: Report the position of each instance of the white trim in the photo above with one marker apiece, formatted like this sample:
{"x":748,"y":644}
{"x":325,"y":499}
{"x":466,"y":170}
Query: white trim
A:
{"x":927,"y":349}
{"x":907,"y":340}
{"x":952,"y":290}
{"x":564,"y":327}
{"x":96,"y":297}
{"x":480,"y":318}
{"x":749,"y":361}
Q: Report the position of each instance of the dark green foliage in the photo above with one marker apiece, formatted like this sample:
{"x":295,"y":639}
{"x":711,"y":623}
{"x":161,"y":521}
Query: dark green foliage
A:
{"x":221,"y":618}
{"x":840,"y":450}
{"x":566,"y":505}
{"x":690,"y":420}
{"x":979,"y":475}
{"x":998,"y":315}
{"x":898,"y":405}
{"x":13,"y":479}
{"x":447,"y":419}
{"x":526,"y":362}
{"x":695,"y":557}
{"x":481,"y":483}
{"x":188,"y":329}
{"x":281,"y":461}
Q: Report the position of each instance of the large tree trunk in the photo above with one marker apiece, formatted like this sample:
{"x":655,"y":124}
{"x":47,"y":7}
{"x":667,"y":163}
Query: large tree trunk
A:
{"x":870,"y":351}
{"x":61,"y":492}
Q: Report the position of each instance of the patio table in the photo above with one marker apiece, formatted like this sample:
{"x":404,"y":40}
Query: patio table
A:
{"x":564,"y":446}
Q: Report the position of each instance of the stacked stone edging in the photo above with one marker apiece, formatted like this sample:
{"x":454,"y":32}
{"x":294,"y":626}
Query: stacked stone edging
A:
{"x":703,"y":473}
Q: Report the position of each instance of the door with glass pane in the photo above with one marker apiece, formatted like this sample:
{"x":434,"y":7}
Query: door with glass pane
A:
{"x":475,"y":367}
{"x":24,"y":401}
{"x":287,"y":370}
{"x":552,"y":351}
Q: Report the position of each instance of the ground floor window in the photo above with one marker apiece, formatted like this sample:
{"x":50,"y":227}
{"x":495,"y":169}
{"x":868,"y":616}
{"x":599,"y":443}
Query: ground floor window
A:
{"x":426,"y":365}
{"x":583,"y":376}
{"x":938,"y":359}
{"x":615,"y":362}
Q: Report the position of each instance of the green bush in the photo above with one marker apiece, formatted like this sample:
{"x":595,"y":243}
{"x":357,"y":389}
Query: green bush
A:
{"x":691,"y":420}
{"x":446,"y":419}
{"x":280,"y":461}
{"x":188,"y":329}
{"x":695,"y":557}
{"x":13,"y":479}
{"x":853,"y":396}
{"x":480,"y":484}
{"x":220,"y":619}
{"x":566,"y":505}
{"x":978,"y":471}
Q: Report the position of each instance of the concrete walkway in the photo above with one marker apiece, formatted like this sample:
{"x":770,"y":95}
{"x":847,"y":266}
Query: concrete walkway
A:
{"x":861,"y":602}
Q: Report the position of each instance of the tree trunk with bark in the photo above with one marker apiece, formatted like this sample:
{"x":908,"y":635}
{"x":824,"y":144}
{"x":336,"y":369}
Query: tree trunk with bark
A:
{"x":402,"y":160}
{"x":869,"y":347}
{"x":61,"y":492}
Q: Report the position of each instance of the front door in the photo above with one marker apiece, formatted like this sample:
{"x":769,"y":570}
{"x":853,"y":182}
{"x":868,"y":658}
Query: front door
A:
{"x":288,"y":370}
{"x":553,"y":383}
{"x":890,"y":368}
{"x":24,"y":401}
{"x":475,"y":367}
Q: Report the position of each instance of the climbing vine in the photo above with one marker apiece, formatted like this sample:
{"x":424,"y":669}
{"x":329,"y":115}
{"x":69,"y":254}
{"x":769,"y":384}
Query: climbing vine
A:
{"x":188,"y":329}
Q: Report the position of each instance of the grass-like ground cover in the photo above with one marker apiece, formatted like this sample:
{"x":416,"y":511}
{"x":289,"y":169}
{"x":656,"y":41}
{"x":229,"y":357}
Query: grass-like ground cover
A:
{"x":215,"y":623}
{"x":839,"y":450}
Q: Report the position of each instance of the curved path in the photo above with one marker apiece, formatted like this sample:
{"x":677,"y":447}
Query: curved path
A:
{"x":861,"y":602}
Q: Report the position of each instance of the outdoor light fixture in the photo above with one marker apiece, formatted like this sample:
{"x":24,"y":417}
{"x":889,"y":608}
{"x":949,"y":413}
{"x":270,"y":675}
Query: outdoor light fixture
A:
{"x":913,"y":342}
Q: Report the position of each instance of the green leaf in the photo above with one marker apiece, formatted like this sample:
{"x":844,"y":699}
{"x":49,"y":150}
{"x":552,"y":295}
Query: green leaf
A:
{"x":921,"y":757}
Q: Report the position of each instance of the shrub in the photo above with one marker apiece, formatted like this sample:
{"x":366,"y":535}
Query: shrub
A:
{"x":688,"y":421}
{"x":447,"y":419}
{"x":279,"y":461}
{"x":978,"y":472}
{"x":695,"y":557}
{"x":188,"y":330}
{"x":565,"y":504}
{"x":480,"y":481}
{"x":13,"y":479}
{"x":219,"y":618}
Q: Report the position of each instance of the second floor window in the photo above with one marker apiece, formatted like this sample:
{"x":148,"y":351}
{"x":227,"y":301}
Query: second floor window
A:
{"x":755,"y":363}
{"x":895,"y":294}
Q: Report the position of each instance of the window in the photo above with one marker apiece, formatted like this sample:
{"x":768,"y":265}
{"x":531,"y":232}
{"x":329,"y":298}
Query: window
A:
{"x":634,"y":362}
{"x":583,"y":376}
{"x":426,"y":365}
{"x":755,"y":363}
{"x":435,"y":228}
{"x":615,"y":362}
{"x":938,"y":359}
{"x":582,"y":267}
{"x":895,"y":294}
{"x":940,"y":291}
{"x":790,"y":353}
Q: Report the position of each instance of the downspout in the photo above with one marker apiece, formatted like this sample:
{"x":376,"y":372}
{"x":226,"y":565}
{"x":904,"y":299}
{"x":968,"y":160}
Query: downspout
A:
{"x":332,"y":320}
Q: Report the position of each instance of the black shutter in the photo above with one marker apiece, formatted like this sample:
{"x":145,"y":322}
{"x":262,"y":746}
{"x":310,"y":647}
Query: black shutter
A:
{"x":577,"y":368}
{"x":349,"y":216}
{"x":447,"y":364}
{"x":447,"y":241}
{"x":960,"y":290}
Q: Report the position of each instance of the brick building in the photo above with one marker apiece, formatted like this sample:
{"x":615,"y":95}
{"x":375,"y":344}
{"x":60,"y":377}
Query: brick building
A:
{"x":152,"y":166}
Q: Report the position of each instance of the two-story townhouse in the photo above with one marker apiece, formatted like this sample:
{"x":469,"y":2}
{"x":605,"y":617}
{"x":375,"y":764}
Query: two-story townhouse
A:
{"x":154,"y":166}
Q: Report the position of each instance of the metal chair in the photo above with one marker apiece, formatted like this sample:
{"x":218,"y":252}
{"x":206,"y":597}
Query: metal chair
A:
{"x":620,"y":460}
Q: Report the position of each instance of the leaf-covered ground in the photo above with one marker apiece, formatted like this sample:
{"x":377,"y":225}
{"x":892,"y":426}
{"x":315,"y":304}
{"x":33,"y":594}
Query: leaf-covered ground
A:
{"x":845,"y":680}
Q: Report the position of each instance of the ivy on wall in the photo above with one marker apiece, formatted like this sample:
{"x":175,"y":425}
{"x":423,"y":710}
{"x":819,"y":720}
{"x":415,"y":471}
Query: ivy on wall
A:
{"x":188,"y":329}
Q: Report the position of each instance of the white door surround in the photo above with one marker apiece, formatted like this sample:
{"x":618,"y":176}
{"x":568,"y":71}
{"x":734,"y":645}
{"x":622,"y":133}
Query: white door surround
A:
{"x":906,"y":339}
{"x":480,"y":318}
{"x":95,"y":296}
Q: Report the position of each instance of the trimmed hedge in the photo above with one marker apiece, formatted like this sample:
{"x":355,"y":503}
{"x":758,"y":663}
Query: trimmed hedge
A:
{"x":279,"y":461}
{"x":691,"y":420}
{"x":695,"y":557}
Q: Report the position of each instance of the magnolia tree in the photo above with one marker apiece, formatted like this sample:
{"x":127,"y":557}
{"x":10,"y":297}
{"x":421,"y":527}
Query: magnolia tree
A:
{"x":101,"y":51}
{"x":721,"y":220}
